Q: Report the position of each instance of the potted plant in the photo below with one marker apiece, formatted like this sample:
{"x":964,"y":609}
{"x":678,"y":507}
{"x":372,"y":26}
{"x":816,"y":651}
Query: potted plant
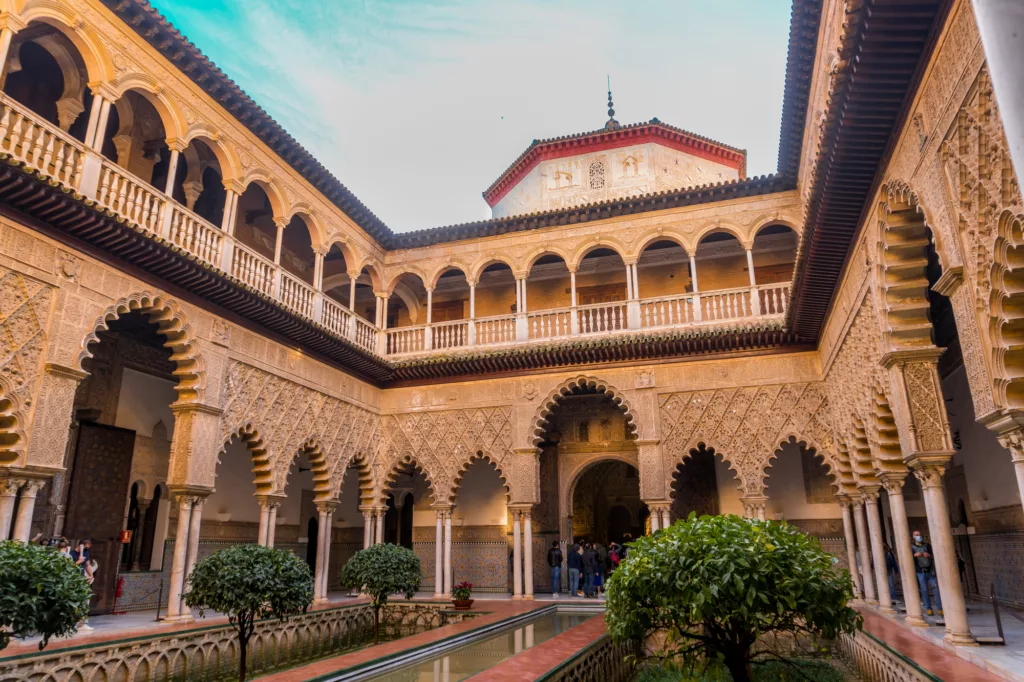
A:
{"x":461,"y":596}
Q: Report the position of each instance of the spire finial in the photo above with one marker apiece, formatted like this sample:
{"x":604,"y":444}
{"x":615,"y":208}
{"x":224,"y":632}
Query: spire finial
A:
{"x":612,"y":123}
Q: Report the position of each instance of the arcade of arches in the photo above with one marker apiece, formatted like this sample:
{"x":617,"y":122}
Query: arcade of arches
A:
{"x":129,"y":404}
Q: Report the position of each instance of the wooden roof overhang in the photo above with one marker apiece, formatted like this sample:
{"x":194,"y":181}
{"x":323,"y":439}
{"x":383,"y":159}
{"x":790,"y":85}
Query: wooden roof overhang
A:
{"x":887,"y":46}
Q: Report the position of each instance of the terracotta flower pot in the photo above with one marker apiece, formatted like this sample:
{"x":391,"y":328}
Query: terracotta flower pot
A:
{"x":462,"y":604}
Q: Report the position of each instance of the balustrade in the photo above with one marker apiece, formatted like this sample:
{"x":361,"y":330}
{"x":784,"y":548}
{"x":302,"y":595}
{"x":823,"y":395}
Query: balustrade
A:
{"x":195,"y":235}
{"x":495,"y":330}
{"x":550,"y":324}
{"x":602,"y":317}
{"x":39,"y":144}
{"x":297,"y":295}
{"x":405,"y":340}
{"x":46,"y":149}
{"x":450,"y":334}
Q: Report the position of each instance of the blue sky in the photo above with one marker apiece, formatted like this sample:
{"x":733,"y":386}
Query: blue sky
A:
{"x":418,"y":105}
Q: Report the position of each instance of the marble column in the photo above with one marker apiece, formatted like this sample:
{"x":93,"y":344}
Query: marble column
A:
{"x":439,"y":546}
{"x":666,"y":518}
{"x":877,"y":551}
{"x":140,"y":533}
{"x":176,"y":609}
{"x":517,"y":556}
{"x":655,"y":519}
{"x":193,"y":536}
{"x":8,"y":494}
{"x":941,"y":538}
{"x":851,"y":546}
{"x":323,"y":548}
{"x":527,"y":554}
{"x":379,"y":540}
{"x":448,"y":553}
{"x":367,"y":528}
{"x":26,"y":507}
{"x":264,"y":531}
{"x":860,"y":523}
{"x":904,"y":554}
{"x":272,"y":522}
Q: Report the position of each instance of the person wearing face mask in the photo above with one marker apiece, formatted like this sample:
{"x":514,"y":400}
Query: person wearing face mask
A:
{"x":924,"y":564}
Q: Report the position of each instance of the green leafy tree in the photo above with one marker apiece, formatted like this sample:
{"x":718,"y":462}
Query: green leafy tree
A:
{"x":247,"y":583}
{"x":42,"y":592}
{"x":715,"y":584}
{"x":381,"y":571}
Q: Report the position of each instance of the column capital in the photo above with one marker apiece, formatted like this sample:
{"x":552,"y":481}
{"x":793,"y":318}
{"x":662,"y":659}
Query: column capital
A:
{"x":270,"y":501}
{"x":12,"y":22}
{"x":892,"y":481}
{"x":900,"y":357}
{"x":869,"y":493}
{"x":326,"y":506}
{"x":930,"y":474}
{"x":843,"y":501}
{"x":196,"y":493}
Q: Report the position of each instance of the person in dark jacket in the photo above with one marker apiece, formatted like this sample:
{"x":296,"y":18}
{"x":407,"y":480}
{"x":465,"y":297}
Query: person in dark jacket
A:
{"x":575,"y":564}
{"x":924,"y":564}
{"x":555,"y":563}
{"x":590,"y":568}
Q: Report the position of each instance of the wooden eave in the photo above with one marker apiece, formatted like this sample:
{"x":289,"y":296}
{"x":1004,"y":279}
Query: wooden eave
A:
{"x":887,"y":46}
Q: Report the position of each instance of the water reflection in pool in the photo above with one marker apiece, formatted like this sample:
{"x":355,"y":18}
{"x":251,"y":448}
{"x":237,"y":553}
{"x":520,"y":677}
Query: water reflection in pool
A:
{"x":477,"y":656}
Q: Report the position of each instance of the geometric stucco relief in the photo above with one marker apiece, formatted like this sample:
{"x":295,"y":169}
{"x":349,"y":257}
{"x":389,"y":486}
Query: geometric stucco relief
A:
{"x":746,"y":426}
{"x":287,"y":416}
{"x":442,"y":443}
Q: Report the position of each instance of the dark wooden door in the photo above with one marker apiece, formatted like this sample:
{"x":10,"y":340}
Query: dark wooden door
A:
{"x":99,"y":488}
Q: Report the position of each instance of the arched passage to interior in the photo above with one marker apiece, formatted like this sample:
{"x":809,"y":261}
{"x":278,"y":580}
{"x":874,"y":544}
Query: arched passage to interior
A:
{"x":254,"y":220}
{"x":704,"y":483}
{"x":495,"y":304}
{"x":663,"y":272}
{"x":801,"y":490}
{"x":586,"y":426}
{"x":602,"y":291}
{"x":773,"y":256}
{"x":549,"y":288}
{"x":336,"y":284}
{"x":296,"y":249}
{"x":481,"y":529}
{"x":606,"y":505}
{"x":45,"y":72}
{"x":451,"y":306}
{"x":202,"y":186}
{"x":119,"y":455}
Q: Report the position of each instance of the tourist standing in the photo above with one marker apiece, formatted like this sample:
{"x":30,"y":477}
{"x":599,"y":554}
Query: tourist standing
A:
{"x":555,"y":562}
{"x":924,"y":564}
{"x":892,"y":568}
{"x":589,"y":569}
{"x":575,"y":563}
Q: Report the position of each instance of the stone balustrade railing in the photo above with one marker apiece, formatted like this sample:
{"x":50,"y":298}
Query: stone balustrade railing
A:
{"x":62,"y":159}
{"x":873,"y":661}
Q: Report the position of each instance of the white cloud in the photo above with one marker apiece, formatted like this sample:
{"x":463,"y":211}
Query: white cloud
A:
{"x":418,"y":106}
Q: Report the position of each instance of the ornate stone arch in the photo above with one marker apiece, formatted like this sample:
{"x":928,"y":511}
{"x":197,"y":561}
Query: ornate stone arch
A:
{"x":147,"y":86}
{"x":176,"y":329}
{"x":12,"y":422}
{"x":827,"y":457}
{"x":364,"y":471}
{"x":384,"y":484}
{"x":265,"y":182}
{"x":532,"y":256}
{"x":483,"y":262}
{"x":262,"y":458}
{"x":751,"y":488}
{"x":230,"y":167}
{"x":540,"y":420}
{"x":576,"y":473}
{"x":658,"y":235}
{"x":721,"y":226}
{"x":98,"y":62}
{"x":447,"y":267}
{"x":1006,"y":311}
{"x":394,"y":277}
{"x":322,"y":488}
{"x":477,"y":456}
{"x":602,"y":242}
{"x":303,"y":212}
{"x":373,"y":269}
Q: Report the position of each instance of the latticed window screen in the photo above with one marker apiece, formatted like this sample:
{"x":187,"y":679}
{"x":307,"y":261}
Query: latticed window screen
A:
{"x":597,"y":175}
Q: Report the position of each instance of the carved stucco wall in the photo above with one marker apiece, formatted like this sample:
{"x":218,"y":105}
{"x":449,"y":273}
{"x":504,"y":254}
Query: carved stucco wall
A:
{"x":746,"y":426}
